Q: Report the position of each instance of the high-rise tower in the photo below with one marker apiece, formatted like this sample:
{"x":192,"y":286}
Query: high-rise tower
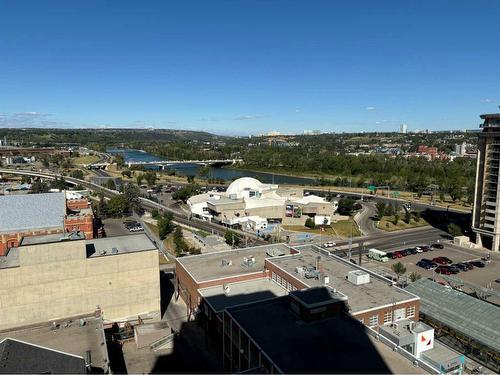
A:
{"x":486,"y":212}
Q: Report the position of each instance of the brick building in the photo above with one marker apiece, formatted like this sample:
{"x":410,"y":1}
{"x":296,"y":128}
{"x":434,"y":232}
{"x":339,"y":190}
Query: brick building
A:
{"x":28,"y":215}
{"x":371,"y":299}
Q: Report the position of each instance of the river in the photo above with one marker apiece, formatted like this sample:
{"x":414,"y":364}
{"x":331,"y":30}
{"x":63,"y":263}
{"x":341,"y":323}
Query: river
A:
{"x":227,"y":174}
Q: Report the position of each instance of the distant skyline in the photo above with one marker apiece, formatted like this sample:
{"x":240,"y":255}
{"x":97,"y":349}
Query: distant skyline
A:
{"x":249,"y":67}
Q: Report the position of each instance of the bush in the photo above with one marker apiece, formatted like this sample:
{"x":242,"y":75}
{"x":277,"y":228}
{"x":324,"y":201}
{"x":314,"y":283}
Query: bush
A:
{"x":310,"y":223}
{"x":454,"y":230}
{"x":155,"y":214}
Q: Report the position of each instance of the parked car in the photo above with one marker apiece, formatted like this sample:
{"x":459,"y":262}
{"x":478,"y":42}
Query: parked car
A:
{"x":329,"y":244}
{"x":426,"y":263}
{"x":426,"y":248}
{"x":478,"y":263}
{"x":392,"y":255}
{"x":418,"y":249}
{"x":440,"y":260}
{"x":454,"y":269}
{"x":461,"y":266}
{"x":447,"y":260}
{"x":437,"y":246}
{"x":443,"y":270}
{"x":407,"y":252}
{"x":468,"y":265}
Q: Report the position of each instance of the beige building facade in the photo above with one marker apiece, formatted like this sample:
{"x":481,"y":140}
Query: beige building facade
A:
{"x":57,"y":280}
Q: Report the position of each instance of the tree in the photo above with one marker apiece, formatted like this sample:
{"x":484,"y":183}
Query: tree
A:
{"x":186,"y":192}
{"x":346,"y":206}
{"x":117,"y":205}
{"x":58,"y":183}
{"x":456,"y":193}
{"x":139,"y":179}
{"x":127,"y":173}
{"x":39,"y":187}
{"x":310,"y":223}
{"x":190,"y":179}
{"x":165,"y":225}
{"x":155,"y":214}
{"x":414,"y":276}
{"x":454,"y":230}
{"x":180,"y":244}
{"x":441,"y":196}
{"x":399,"y":269}
{"x":77,"y":173}
{"x":380,"y":209}
{"x":119,"y":161}
{"x":396,"y":219}
{"x":101,"y":208}
{"x":417,"y":216}
{"x":389,"y":210}
{"x":231,"y":238}
{"x":407,"y":217}
{"x":150,"y":177}
{"x":132,"y":193}
{"x":110,"y":184}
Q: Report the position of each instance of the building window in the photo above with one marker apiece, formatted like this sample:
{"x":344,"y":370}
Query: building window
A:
{"x":274,"y":276}
{"x":387,"y":317}
{"x":373,"y":322}
{"x":410,"y":312}
{"x":399,"y":314}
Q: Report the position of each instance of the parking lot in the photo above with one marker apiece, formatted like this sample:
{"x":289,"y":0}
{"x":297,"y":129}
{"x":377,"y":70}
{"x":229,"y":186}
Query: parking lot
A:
{"x":115,"y":227}
{"x":484,"y":277}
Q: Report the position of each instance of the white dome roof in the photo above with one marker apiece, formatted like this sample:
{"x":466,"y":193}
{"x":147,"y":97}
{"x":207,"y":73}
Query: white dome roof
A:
{"x":241,"y":184}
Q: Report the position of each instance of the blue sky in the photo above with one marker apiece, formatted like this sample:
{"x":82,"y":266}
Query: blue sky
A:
{"x":240,"y":67}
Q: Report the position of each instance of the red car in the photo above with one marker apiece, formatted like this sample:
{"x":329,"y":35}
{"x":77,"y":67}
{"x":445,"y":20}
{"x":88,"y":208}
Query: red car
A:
{"x":443,"y":270}
{"x":398,"y":254}
{"x":442,"y":260}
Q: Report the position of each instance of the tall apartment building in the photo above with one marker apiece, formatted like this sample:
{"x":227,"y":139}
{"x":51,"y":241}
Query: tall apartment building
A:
{"x":486,"y":213}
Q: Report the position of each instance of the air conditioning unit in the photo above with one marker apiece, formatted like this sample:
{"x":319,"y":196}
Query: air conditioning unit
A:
{"x":358,"y":277}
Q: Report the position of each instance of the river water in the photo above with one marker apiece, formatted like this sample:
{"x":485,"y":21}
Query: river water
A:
{"x":228,"y":174}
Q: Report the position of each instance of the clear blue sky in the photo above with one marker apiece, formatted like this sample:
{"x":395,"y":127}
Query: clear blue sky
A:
{"x":249,"y":66}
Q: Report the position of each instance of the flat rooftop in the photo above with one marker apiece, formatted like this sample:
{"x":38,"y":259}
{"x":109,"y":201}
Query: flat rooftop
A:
{"x":118,"y":245}
{"x":378,"y":292}
{"x":70,"y":337}
{"x":337,"y":344}
{"x":26,"y":212}
{"x":210,"y":266}
{"x":241,"y":293}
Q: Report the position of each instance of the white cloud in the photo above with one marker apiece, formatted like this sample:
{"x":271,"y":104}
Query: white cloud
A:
{"x":486,"y":100}
{"x":370,"y":108}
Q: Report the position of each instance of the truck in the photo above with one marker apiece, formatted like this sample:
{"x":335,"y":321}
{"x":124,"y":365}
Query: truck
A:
{"x":379,"y":255}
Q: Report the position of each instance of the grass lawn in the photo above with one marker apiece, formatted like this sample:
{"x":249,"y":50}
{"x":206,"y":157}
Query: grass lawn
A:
{"x":387,"y":224}
{"x":341,"y":229}
{"x":87,"y":159}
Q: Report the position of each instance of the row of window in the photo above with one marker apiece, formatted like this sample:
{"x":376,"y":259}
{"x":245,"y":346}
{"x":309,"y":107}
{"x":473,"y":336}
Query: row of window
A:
{"x":399,"y":314}
{"x":283,"y":282}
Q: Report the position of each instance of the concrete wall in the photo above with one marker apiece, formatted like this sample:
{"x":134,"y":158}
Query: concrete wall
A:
{"x":57,"y":280}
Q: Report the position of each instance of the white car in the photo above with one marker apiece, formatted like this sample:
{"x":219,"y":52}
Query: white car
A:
{"x":329,"y":244}
{"x":419,"y":249}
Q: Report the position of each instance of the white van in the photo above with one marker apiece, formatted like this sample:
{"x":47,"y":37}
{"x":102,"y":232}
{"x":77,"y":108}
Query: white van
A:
{"x":379,"y":255}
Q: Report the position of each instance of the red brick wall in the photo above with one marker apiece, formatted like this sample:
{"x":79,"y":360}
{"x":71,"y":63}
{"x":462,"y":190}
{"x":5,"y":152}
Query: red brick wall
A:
{"x":13,"y":239}
{"x":82,"y":223}
{"x":278,"y":271}
{"x":77,"y":204}
{"x":380,"y":312}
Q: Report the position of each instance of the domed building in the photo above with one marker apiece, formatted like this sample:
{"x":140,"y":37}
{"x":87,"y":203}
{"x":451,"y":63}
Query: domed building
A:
{"x":250,"y":204}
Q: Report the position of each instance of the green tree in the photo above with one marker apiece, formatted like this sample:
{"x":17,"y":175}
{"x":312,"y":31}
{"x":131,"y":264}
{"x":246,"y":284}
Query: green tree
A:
{"x":139,"y":179}
{"x":127,"y":173}
{"x":414,"y":276}
{"x":150,"y":177}
{"x":441,"y":196}
{"x":110,"y":184}
{"x":381,"y":206}
{"x":101,"y":209}
{"x":190,"y":179}
{"x":119,"y":161}
{"x":399,"y":269}
{"x":77,"y":173}
{"x":117,"y":205}
{"x":39,"y":187}
{"x":186,"y":192}
{"x":165,"y":225}
{"x":407,"y":217}
{"x":310,"y":223}
{"x":132,"y":193}
{"x":58,"y":183}
{"x":346,"y":206}
{"x":396,"y":219}
{"x":155,"y":214}
{"x":231,"y":238}
{"x":456,"y":193}
{"x":454,"y":230}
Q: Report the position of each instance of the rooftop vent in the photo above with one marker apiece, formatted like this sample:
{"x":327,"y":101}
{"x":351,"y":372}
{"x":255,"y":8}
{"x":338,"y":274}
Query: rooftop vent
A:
{"x":114,"y":250}
{"x":226,"y":288}
{"x":249,"y":261}
{"x":358,"y":277}
{"x":226,"y":263}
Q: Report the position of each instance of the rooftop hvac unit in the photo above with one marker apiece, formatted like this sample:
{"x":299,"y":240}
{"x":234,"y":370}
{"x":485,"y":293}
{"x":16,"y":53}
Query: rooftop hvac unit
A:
{"x":358,"y":277}
{"x":326,"y":280}
{"x":249,"y":261}
{"x":226,"y":288}
{"x":226,"y":262}
{"x":114,"y":250}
